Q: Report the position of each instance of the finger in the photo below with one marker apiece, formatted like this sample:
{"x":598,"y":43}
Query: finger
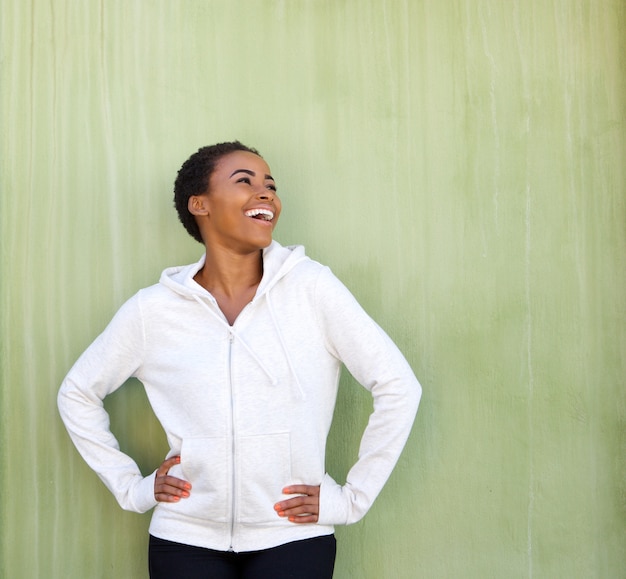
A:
{"x":168,"y":498}
{"x":311,"y":490}
{"x":167,"y":464}
{"x":173,"y":486}
{"x":304,"y":514}
{"x":303,"y":511}
{"x":295,"y":502}
{"x":304,"y":519}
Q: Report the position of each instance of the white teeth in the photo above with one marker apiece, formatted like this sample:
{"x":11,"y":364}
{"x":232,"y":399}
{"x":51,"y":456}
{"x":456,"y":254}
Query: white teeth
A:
{"x":264,"y":213}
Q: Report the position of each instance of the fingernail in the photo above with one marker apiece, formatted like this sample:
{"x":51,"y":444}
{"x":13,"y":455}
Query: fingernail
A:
{"x":185,"y":494}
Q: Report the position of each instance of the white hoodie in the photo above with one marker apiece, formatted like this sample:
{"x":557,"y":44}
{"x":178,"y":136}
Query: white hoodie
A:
{"x":248,"y":407}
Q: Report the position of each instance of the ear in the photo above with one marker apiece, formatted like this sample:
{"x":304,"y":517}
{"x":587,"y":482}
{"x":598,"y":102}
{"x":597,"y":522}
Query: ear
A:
{"x":197,"y":205}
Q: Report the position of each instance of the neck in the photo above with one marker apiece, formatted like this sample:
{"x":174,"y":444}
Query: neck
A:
{"x":228,"y":273}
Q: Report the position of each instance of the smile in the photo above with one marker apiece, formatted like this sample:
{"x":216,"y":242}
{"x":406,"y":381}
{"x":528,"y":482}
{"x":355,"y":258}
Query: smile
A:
{"x":264,"y":214}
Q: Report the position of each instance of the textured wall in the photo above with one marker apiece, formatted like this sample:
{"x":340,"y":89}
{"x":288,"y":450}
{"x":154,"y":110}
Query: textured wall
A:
{"x":459,"y":164}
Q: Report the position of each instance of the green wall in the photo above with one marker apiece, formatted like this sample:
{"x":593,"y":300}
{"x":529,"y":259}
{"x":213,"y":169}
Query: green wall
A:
{"x":458,"y":163}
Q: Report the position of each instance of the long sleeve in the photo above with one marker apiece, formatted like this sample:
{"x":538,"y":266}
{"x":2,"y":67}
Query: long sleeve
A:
{"x":110,"y":360}
{"x":377,"y":364}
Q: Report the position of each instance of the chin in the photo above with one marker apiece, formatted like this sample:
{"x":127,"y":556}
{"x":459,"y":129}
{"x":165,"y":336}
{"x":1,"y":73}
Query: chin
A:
{"x":261,"y":243}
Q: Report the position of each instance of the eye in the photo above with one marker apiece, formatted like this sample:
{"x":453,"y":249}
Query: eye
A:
{"x":244,"y":180}
{"x":272,"y":187}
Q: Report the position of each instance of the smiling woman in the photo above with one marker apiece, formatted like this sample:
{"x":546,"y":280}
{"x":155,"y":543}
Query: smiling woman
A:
{"x":232,"y":213}
{"x":240,"y":356}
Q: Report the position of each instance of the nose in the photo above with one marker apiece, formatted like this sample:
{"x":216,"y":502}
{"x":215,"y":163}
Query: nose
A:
{"x":266,"y":194}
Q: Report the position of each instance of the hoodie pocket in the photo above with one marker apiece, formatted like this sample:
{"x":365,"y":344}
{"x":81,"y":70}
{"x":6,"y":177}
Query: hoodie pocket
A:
{"x":204,"y":462}
{"x":265,"y":469}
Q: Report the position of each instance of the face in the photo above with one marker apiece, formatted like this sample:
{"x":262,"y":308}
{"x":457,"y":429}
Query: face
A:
{"x":241,"y":207}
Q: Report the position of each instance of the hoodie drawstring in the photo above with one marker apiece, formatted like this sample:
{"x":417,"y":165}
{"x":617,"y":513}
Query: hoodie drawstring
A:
{"x":283,"y":346}
{"x":250,"y":351}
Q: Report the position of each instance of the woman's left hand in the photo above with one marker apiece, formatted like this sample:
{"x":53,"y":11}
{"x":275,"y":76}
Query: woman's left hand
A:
{"x":302,"y":509}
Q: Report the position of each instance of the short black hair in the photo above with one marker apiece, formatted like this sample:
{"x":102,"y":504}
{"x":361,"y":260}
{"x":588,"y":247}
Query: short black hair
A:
{"x":193,"y":179}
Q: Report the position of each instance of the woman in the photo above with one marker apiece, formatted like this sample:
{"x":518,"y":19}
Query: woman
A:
{"x":240,"y":355}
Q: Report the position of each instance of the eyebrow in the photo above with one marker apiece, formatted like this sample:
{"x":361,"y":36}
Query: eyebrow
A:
{"x":248,"y":172}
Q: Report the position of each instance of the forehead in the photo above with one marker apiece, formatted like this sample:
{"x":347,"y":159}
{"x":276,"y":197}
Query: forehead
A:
{"x":240,"y":160}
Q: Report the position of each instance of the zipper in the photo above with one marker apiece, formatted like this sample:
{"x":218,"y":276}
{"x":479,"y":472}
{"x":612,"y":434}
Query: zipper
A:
{"x":233,"y":505}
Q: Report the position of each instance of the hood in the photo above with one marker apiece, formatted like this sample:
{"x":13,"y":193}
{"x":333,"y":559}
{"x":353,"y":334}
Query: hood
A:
{"x":277,"y":262}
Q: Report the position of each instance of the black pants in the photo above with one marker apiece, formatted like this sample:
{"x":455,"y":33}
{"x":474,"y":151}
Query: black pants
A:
{"x":306,"y":559}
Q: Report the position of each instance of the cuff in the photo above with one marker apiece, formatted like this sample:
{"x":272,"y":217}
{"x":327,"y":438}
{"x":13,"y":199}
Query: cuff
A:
{"x":333,"y":503}
{"x":143,"y":494}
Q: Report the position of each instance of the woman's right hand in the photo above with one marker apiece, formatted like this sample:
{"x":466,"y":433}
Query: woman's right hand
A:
{"x":169,"y":489}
